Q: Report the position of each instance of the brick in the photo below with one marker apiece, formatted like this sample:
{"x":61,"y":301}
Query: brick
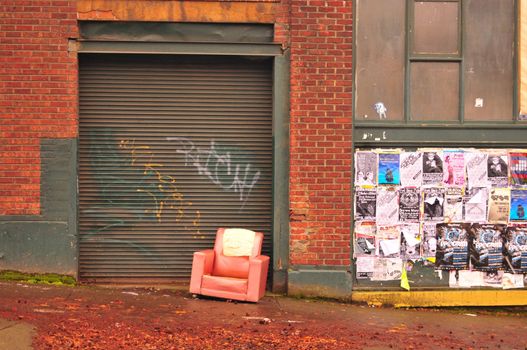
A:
{"x":38,"y":66}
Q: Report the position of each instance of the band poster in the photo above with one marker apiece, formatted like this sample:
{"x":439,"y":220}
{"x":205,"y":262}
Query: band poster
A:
{"x":475,"y":204}
{"x":387,"y":206}
{"x":365,"y":168}
{"x":476,"y":165}
{"x":498,"y":169}
{"x":410,"y":241}
{"x":486,"y":250}
{"x":365,"y":204}
{"x":518,"y":205}
{"x":389,"y":169}
{"x":454,"y":204}
{"x":409,"y":204}
{"x":452,"y":247}
{"x":516,"y":249}
{"x":454,"y":164}
{"x":432,"y":168}
{"x":499,"y":205}
{"x":433,"y":201}
{"x":411,"y":171}
{"x":518,"y":167}
{"x":365,"y":232}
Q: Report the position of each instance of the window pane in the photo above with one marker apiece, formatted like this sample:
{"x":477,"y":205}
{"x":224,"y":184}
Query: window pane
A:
{"x":436,"y":28}
{"x":380,"y":59}
{"x":434,"y":90}
{"x":489,"y":60}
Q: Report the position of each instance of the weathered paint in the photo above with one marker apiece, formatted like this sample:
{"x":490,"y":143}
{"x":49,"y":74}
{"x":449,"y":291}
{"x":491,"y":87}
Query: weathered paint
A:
{"x":314,"y":281}
{"x":443,"y":298}
{"x":177,"y":11}
{"x":46,"y":243}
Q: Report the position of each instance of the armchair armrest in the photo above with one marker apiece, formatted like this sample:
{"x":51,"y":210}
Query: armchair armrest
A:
{"x":258,"y":267}
{"x":201,"y":265}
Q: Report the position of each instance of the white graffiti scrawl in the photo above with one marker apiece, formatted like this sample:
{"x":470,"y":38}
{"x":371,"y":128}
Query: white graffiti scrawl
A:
{"x":218,"y":167}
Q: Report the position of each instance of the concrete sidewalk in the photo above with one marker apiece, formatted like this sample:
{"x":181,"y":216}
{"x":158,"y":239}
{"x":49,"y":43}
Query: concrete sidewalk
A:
{"x":145,"y":318}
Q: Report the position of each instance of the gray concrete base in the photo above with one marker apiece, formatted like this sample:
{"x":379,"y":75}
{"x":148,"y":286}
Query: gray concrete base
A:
{"x":327,"y":282}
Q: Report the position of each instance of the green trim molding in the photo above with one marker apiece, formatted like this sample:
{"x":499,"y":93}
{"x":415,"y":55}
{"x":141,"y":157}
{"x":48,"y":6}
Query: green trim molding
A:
{"x":320,"y":281}
{"x":46,"y":243}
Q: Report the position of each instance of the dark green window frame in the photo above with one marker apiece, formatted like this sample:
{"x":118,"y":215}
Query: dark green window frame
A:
{"x":458,"y":132}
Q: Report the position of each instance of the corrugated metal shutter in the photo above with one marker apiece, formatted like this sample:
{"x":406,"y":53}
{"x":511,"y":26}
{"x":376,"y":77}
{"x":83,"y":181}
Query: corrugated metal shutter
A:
{"x":171,"y":148}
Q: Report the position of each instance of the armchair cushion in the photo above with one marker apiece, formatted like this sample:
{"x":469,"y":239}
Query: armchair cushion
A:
{"x":227,"y":284}
{"x":238,"y":242}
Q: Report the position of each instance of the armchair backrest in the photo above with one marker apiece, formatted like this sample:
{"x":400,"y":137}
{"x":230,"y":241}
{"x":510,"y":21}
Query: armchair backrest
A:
{"x":233,"y":266}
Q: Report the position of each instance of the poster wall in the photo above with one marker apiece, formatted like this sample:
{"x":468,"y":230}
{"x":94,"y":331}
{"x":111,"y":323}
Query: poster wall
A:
{"x":457,"y":210}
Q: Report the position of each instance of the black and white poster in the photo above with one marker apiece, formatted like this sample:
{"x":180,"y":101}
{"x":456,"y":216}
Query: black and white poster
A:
{"x":409,"y":204}
{"x":432,"y":168}
{"x":486,"y":248}
{"x":365,"y":168}
{"x":516,"y":249}
{"x":410,"y":241}
{"x":452,"y":246}
{"x":429,"y":244}
{"x":433,"y":201}
{"x":365,"y":204}
{"x":498,"y":170}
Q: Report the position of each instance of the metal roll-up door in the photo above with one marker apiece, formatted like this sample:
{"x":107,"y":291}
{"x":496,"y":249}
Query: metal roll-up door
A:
{"x":170,"y":149}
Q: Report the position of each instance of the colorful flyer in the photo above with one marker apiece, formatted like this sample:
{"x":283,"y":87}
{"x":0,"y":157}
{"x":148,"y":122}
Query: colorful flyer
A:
{"x":432,"y":167}
{"x":452,"y":246}
{"x":433,"y":201}
{"x":518,"y":167}
{"x":454,"y":167}
{"x":365,"y":168}
{"x":409,"y":204}
{"x":516,"y":249}
{"x":389,"y":169}
{"x":411,"y":169}
{"x":476,"y":166}
{"x":518,"y":205}
{"x":365,"y":204}
{"x":499,"y":205}
{"x":486,"y":247}
{"x":387,"y":205}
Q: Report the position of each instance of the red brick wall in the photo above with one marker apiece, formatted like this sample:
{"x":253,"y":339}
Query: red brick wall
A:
{"x":320,"y":170}
{"x":38,"y":93}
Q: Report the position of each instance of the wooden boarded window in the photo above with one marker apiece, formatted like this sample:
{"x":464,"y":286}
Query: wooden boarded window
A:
{"x":447,"y":61}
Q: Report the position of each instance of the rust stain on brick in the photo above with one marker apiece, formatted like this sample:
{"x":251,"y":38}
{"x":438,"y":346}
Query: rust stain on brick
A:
{"x":97,"y":14}
{"x":183,"y":11}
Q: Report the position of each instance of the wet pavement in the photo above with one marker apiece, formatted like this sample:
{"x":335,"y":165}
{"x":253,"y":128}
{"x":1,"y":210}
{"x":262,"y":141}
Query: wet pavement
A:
{"x":60,"y":317}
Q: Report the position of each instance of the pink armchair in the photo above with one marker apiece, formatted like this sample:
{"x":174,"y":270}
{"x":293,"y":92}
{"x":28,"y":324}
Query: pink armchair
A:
{"x":230,"y":277}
